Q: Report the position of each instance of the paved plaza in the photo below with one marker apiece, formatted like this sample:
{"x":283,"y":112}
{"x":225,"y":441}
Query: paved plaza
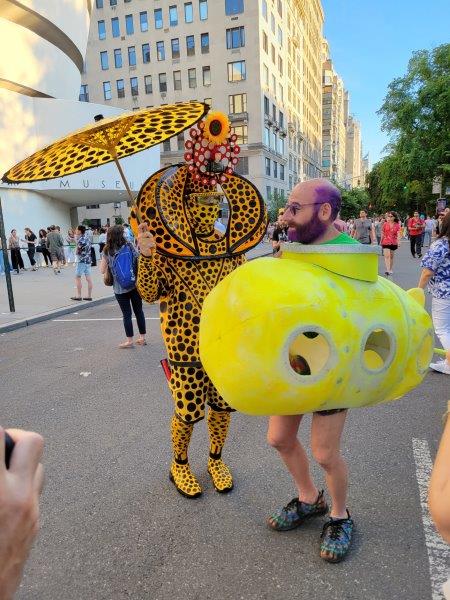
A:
{"x":113,"y":526}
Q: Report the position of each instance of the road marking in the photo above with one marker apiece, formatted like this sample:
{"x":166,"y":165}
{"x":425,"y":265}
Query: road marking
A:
{"x":111,"y":319}
{"x":438,"y":550}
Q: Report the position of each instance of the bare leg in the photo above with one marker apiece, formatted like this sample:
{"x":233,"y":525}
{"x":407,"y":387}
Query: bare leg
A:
{"x":78,"y":284}
{"x":391,"y":253}
{"x":89,"y":282}
{"x":282,"y":435}
{"x":386,"y":259}
{"x":326,"y":432}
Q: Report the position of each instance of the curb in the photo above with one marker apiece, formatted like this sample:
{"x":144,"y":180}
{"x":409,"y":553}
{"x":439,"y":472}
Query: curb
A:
{"x":66,"y":310}
{"x":48,"y":316}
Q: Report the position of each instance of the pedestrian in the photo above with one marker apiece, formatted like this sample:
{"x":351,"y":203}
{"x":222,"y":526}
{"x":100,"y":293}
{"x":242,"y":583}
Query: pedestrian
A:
{"x":42,"y":247}
{"x":390,"y":240}
{"x":16,"y":256}
{"x":90,"y":237}
{"x":30,"y":239}
{"x":128,"y":298}
{"x":416,"y":227}
{"x":84,"y":259}
{"x":55,"y":246}
{"x":71,"y":245}
{"x":101,"y":240}
{"x":312,"y":208}
{"x":363,"y":229}
{"x":436,"y":274}
{"x":378,"y":226}
{"x":20,"y":489}
{"x":430,"y":225}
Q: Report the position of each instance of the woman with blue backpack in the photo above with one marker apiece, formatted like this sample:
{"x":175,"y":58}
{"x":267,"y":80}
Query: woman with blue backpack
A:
{"x":119,"y":268}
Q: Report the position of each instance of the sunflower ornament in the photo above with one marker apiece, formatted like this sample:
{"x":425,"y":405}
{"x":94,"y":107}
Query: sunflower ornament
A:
{"x":212,"y":152}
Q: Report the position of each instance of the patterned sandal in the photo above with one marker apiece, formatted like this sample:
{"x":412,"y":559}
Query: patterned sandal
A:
{"x":295,"y":513}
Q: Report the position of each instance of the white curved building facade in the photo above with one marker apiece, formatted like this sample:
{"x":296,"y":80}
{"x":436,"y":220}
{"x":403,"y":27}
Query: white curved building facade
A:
{"x":42,"y":44}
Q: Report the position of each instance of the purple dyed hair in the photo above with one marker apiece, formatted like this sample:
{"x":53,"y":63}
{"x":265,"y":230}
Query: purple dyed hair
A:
{"x":332,"y":196}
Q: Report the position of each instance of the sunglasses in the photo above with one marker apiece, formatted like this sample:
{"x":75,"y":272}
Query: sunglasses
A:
{"x":294,"y":208}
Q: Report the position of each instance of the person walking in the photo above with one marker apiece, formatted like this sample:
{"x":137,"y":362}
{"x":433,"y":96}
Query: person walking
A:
{"x":30,"y":239}
{"x":42,"y":247}
{"x":363,"y":229}
{"x":416,"y":226}
{"x":430,"y":224}
{"x":55,"y":246}
{"x":16,"y":256}
{"x":71,"y":246}
{"x":378,"y":226}
{"x":84,"y":263}
{"x":390,"y":240}
{"x":128,"y":298}
{"x":436,"y":274}
{"x":102,"y":241}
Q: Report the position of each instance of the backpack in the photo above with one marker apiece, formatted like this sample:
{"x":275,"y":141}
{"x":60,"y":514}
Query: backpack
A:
{"x":123,"y":267}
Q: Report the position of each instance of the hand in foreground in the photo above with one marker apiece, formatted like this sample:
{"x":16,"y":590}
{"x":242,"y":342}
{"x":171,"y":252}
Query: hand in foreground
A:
{"x":145,"y":240}
{"x":20,"y":488}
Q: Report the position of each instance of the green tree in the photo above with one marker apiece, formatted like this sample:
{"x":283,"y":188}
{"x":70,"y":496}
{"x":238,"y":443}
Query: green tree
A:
{"x":353,"y":201}
{"x":416,"y":115}
{"x":275,"y":201}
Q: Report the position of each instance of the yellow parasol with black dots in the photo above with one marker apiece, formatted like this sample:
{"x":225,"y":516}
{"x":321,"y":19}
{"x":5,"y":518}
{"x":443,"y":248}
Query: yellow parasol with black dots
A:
{"x":107,"y":140}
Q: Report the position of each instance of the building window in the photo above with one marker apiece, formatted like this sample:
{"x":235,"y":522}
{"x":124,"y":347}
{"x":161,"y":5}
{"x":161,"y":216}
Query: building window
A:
{"x":180,"y":141}
{"x":175,"y":48}
{"x":242,"y":133}
{"x":158,"y":18}
{"x":234,"y":7}
{"x":272,"y":23}
{"x":236,"y":71}
{"x":267,"y":136}
{"x":134,"y":86}
{"x":281,"y":120}
{"x":235,"y":37}
{"x":203,"y":9}
{"x":190,"y":45}
{"x":101,"y":30}
{"x":98,"y":3}
{"x":132,"y":56}
{"x":162,"y":82}
{"x":188,"y":12}
{"x":265,"y":42}
{"x":177,"y":80}
{"x":266,"y":106}
{"x":160,"y":51}
{"x":264,"y":9}
{"x":143,"y":20}
{"x":272,"y":49}
{"x":280,"y":65}
{"x":118,"y":58}
{"x":145,"y":53}
{"x":266,"y":75}
{"x":280,"y":145}
{"x":115,"y":26}
{"x":173,"y":16}
{"x":268,"y":193}
{"x":148,"y":84}
{"x":206,"y":75}
{"x":275,"y":169}
{"x":107,"y":90}
{"x":104,"y":61}
{"x":280,"y":36}
{"x":113,"y":2}
{"x":166,"y":146}
{"x":204,"y":43}
{"x":237,"y":103}
{"x":192,"y":78}
{"x":84,"y":93}
{"x":242,"y":166}
{"x":267,"y":164}
{"x":120,"y":86}
{"x":280,"y":8}
{"x":282,"y":172}
{"x":129,"y":24}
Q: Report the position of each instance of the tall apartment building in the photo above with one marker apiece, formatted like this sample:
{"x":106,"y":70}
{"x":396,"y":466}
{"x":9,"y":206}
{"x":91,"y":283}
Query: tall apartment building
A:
{"x":259,"y":61}
{"x":353,"y":154}
{"x":333,"y":122}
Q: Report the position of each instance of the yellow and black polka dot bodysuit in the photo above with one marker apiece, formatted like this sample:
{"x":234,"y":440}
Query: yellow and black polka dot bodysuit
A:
{"x":190,"y":259}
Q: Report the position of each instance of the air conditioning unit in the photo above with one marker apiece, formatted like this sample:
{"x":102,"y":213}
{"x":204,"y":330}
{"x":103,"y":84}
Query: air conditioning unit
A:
{"x":123,"y":38}
{"x":163,"y":94}
{"x":166,"y":30}
{"x":132,"y":68}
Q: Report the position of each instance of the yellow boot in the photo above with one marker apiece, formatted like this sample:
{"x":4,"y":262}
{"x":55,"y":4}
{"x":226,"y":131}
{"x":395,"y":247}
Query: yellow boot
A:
{"x":180,"y":471}
{"x":218,"y":424}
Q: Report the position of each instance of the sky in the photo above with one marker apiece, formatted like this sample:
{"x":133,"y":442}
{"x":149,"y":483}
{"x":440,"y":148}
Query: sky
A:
{"x":371,"y":43}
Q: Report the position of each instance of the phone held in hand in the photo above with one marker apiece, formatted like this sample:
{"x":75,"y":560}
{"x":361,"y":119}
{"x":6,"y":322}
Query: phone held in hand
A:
{"x":9,"y":447}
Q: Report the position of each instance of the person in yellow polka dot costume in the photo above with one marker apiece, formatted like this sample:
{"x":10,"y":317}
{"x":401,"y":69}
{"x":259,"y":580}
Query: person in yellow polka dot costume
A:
{"x":183,"y":256}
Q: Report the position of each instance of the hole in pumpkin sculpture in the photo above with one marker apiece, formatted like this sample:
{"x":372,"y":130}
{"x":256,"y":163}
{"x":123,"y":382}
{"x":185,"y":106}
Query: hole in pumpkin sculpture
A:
{"x":377,"y":350}
{"x":309,"y":352}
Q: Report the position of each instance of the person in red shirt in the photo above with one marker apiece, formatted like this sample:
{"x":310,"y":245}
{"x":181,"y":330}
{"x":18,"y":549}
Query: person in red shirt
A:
{"x":390,"y":240}
{"x":416,"y":226}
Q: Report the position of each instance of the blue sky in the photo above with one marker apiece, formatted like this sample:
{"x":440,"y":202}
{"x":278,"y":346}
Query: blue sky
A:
{"x":371,"y":43}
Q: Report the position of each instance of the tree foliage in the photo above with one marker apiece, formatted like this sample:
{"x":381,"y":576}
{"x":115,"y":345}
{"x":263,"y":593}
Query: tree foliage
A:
{"x":416,"y":115}
{"x":275,"y":201}
{"x":353,"y":201}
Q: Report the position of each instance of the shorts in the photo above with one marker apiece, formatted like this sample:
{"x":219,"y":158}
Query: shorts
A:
{"x":389,"y":246}
{"x":82,"y":269}
{"x":57,"y":254}
{"x":325,"y":413}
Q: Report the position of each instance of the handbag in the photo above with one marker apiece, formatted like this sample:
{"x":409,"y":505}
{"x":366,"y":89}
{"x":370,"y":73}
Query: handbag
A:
{"x":108,"y":277}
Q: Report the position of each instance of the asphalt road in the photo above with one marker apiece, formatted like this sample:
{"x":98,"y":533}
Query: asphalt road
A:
{"x":113,"y":526}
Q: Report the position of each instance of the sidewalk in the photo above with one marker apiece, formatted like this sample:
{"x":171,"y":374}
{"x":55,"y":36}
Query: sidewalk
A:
{"x":40,"y":295}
